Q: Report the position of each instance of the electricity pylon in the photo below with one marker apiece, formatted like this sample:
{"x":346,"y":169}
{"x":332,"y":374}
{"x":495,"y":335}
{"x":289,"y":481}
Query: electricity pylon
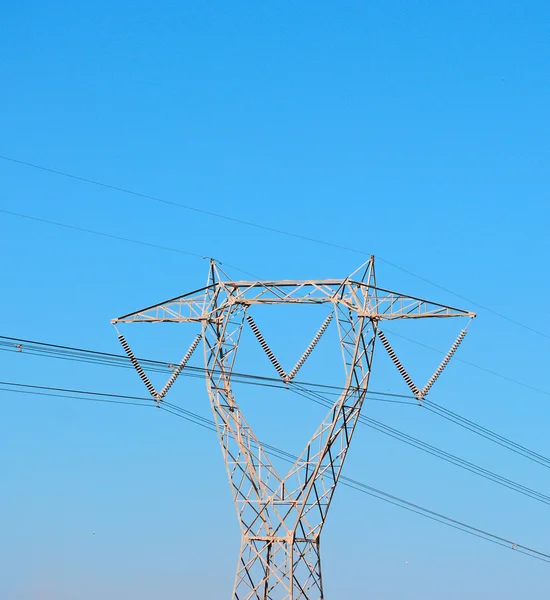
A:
{"x":282,"y":516}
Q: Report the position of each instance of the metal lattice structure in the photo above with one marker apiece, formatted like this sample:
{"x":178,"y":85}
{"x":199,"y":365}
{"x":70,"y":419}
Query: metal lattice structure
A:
{"x":282,"y":516}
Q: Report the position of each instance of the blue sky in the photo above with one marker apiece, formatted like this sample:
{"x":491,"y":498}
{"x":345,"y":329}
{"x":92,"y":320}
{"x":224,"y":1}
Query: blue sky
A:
{"x":415,"y":131}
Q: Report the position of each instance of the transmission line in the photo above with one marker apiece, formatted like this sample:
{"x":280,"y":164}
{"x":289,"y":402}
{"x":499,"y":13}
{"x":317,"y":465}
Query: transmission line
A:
{"x":318,"y":398}
{"x":116,"y":237}
{"x":379,"y":494}
{"x":53,"y":392}
{"x":72,"y":353}
{"x":281,"y":454}
{"x":103,"y":358}
{"x":441,"y":411}
{"x":256,"y":226}
{"x":109,"y":359}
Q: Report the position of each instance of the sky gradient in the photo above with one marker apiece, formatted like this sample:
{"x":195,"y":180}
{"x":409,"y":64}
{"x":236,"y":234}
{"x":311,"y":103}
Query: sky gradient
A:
{"x":415,"y":131}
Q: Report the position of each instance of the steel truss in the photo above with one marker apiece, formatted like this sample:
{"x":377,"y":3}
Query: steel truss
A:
{"x":282,"y":517}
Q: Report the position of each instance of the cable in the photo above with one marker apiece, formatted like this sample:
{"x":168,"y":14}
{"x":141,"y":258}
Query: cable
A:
{"x":71,"y":353}
{"x":119,"y":238}
{"x":131,"y":240}
{"x":466,"y":299}
{"x":180,"y":205}
{"x":101,"y":233}
{"x":22,"y":345}
{"x":445,"y":520}
{"x":286,"y":456}
{"x":395,"y":500}
{"x":317,"y":398}
{"x":62,"y":395}
{"x":108,"y":359}
{"x":264,"y":228}
{"x":73,"y":391}
{"x":433,"y":450}
{"x":494,"y":373}
{"x":487,"y":433}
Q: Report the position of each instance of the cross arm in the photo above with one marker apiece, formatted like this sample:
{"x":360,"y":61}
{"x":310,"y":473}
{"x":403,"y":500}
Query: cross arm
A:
{"x":189,"y":308}
{"x":384,"y":305}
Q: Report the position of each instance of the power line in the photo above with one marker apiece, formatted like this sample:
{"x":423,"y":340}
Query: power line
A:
{"x":107,"y":398}
{"x":466,"y":299}
{"x":487,"y":433}
{"x":260,"y":226}
{"x":101,"y":233}
{"x":181,"y":205}
{"x":322,"y":400}
{"x":381,"y":495}
{"x":438,"y":452}
{"x":118,"y":237}
{"x":108,"y":359}
{"x":394,"y":433}
{"x":71,"y":353}
{"x":73,"y":391}
{"x":285,"y":456}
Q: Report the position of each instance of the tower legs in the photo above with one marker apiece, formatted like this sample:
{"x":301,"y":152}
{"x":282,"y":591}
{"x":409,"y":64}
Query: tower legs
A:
{"x":279,"y":569}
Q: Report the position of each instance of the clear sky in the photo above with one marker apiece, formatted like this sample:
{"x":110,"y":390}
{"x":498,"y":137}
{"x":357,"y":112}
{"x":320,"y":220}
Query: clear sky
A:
{"x":415,"y":131}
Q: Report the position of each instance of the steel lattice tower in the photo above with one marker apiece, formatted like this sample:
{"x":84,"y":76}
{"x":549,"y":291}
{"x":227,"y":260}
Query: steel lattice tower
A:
{"x":282,"y":517}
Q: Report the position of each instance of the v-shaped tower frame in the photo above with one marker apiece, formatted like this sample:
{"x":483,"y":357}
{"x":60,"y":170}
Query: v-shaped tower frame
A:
{"x":282,"y":516}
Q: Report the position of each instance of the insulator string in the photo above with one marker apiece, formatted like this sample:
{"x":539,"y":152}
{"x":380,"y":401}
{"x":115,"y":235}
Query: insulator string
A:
{"x":266,"y":348}
{"x":444,"y":363}
{"x":180,"y":367}
{"x":137,"y":366}
{"x":398,"y":364}
{"x":311,"y":347}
